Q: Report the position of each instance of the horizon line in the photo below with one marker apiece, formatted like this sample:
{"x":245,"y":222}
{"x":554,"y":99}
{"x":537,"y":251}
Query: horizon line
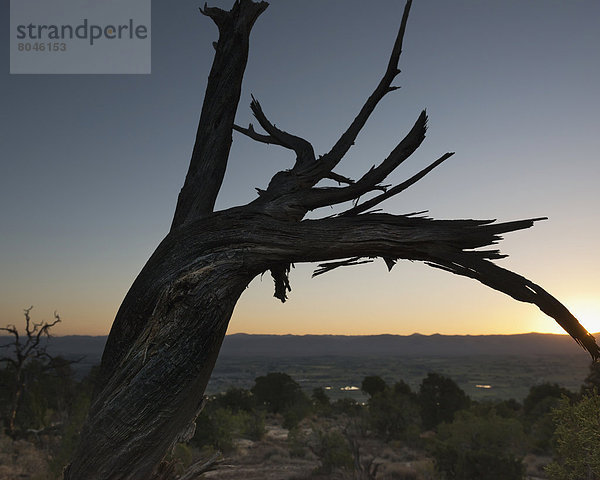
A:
{"x":354,"y":335}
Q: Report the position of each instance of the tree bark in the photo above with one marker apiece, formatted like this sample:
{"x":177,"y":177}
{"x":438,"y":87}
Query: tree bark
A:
{"x":167,"y":334}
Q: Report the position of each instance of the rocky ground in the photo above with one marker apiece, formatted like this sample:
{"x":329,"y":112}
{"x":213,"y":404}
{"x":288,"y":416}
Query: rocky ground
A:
{"x":272,"y":458}
{"x":277,"y":456}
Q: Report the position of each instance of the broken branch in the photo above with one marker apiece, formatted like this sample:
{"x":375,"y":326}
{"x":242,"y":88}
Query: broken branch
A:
{"x":397,"y":189}
{"x":341,"y":147}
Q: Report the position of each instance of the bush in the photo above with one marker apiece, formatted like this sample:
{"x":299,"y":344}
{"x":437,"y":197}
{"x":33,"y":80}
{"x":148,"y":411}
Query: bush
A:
{"x":218,"y":427}
{"x":373,"y":385}
{"x":577,"y":438}
{"x":297,"y":443}
{"x":440,"y":398}
{"x":334,"y":452}
{"x":294,"y":413}
{"x":592,"y":381}
{"x":321,"y":401}
{"x":537,"y":407}
{"x":347,"y":406}
{"x":236,"y":399}
{"x":533,"y":405}
{"x":394,"y":416}
{"x":276,"y":391}
{"x":480,"y":448}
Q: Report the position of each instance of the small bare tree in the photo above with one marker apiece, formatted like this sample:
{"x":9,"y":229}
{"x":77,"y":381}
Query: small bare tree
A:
{"x":168,"y":331}
{"x":25,"y":348}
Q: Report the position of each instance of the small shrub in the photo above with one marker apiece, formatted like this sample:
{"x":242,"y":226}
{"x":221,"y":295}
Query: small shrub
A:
{"x":394,"y":415}
{"x":440,"y":398}
{"x":297,"y":441}
{"x":373,"y":384}
{"x":482,"y":447}
{"x":347,"y":406}
{"x":334,"y":452}
{"x":577,"y":453}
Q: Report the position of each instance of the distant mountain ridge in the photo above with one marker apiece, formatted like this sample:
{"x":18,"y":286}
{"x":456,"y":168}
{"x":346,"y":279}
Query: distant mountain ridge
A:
{"x":247,"y":345}
{"x":399,"y":345}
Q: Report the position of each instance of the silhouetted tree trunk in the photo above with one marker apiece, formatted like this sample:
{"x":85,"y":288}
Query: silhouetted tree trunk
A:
{"x":168,"y":332}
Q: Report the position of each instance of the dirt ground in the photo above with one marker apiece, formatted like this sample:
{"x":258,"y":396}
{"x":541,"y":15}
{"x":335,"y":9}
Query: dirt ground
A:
{"x":275,"y":457}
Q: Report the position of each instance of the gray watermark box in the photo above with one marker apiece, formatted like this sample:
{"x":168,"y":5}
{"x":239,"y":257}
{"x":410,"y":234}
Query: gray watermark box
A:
{"x":80,"y":36}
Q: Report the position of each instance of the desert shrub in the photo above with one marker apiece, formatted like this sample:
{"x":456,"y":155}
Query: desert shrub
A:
{"x":321,"y":401}
{"x":70,"y":430}
{"x":591,"y":383}
{"x":577,"y":439}
{"x":236,"y":399}
{"x":373,"y":385}
{"x":508,"y":408}
{"x":440,"y":398}
{"x":333,"y":451}
{"x":394,"y":415}
{"x":537,"y":407}
{"x":295,"y":412}
{"x":476,"y":447}
{"x":48,"y":392}
{"x":276,"y":391}
{"x":403,"y":388}
{"x":254,"y":426}
{"x":183,"y":454}
{"x":346,"y":406}
{"x":534,"y":406}
{"x":297,"y":443}
{"x":280,"y":393}
{"x":217,"y":427}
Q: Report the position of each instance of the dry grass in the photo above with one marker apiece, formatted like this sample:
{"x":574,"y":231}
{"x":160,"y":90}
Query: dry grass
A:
{"x":20,"y":459}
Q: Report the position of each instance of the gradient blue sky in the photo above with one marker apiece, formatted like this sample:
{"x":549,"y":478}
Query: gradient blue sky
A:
{"x":91,"y":165}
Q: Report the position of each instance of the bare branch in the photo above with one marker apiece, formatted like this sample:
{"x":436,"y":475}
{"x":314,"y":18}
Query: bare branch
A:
{"x":12,"y":330}
{"x":363,"y":207}
{"x":218,"y":15}
{"x":243,"y":14}
{"x":340,"y":178}
{"x":254,"y":135}
{"x":449,"y":244}
{"x":213,"y":138}
{"x":327,"y":267}
{"x":34,"y":336}
{"x":337,"y":152}
{"x":305,"y":153}
{"x":320,"y":197}
{"x":28,"y":321}
{"x":521,"y":289}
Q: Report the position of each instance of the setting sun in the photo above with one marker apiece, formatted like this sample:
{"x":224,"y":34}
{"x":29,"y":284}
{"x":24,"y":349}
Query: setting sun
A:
{"x":587,"y":312}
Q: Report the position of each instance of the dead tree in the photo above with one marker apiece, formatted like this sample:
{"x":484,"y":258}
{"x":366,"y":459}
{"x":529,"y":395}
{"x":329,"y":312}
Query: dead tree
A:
{"x":25,"y":347}
{"x":167,"y":333}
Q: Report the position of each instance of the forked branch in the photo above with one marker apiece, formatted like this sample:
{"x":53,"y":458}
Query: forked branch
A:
{"x":363,"y":207}
{"x":341,"y":147}
{"x":320,"y":197}
{"x":304,"y":150}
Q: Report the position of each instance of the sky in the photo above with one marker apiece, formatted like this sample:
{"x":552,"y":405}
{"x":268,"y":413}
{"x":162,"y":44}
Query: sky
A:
{"x":91,"y":165}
